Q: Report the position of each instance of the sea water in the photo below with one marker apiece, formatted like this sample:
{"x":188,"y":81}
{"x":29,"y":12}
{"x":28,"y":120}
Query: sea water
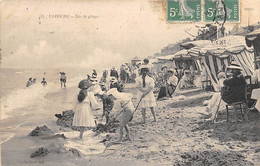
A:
{"x":17,"y":100}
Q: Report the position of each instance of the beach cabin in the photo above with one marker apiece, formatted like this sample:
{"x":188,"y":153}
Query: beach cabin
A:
{"x":217,"y":55}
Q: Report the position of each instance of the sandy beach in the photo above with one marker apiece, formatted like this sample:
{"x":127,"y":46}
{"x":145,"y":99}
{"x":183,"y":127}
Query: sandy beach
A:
{"x":179,"y":137}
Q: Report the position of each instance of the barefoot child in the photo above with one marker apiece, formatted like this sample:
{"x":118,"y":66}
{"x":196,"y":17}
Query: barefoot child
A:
{"x":145,"y":85}
{"x":127,"y":108}
{"x":83,"y":111}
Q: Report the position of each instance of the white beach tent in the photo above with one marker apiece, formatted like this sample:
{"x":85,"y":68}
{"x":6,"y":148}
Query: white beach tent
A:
{"x":217,"y":55}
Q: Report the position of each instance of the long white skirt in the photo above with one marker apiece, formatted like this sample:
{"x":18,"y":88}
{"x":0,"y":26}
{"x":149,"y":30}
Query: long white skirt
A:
{"x":83,"y":115}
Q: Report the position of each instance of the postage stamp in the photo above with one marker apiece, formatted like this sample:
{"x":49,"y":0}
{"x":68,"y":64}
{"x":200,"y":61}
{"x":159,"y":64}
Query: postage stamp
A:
{"x":183,"y":10}
{"x":221,"y":10}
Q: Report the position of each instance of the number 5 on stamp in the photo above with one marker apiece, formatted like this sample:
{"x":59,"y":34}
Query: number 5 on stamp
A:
{"x":222,"y":10}
{"x":184,"y":10}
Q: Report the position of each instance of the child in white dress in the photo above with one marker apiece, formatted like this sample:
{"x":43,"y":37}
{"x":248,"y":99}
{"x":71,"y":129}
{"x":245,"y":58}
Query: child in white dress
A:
{"x":83,"y":116}
{"x":145,"y":85}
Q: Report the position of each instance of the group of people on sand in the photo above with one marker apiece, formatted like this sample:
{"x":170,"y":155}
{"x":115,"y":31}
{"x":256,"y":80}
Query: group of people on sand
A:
{"x":91,"y":89}
{"x":33,"y":81}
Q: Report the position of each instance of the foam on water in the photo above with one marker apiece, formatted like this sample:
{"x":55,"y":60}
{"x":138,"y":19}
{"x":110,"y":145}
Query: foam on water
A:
{"x":32,"y":95}
{"x":88,"y":145}
{"x":12,"y":103}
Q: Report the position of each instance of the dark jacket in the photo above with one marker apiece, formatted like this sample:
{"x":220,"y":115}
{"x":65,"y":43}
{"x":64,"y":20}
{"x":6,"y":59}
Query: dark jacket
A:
{"x":114,"y":73}
{"x":234,"y":89}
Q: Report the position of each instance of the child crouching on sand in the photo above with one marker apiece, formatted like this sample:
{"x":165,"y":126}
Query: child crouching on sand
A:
{"x":127,"y":109}
{"x":83,"y":116}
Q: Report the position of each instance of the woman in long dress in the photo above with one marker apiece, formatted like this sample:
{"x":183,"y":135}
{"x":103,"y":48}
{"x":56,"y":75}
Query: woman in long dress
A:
{"x":145,"y":85}
{"x":83,"y":116}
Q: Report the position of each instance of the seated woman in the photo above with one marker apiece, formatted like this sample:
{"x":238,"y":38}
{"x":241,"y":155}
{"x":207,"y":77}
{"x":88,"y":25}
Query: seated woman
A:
{"x":186,"y":81}
{"x":215,"y":102}
{"x":234,"y":86}
{"x":171,"y":82}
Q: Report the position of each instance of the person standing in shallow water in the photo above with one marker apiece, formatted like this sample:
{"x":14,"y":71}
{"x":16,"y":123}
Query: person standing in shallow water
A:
{"x":145,"y":85}
{"x":29,"y":82}
{"x":44,"y":82}
{"x":63,"y":79}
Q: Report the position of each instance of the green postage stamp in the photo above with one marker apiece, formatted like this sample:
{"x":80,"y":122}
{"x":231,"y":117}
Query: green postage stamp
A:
{"x":214,"y":10}
{"x":184,"y":10}
{"x":221,"y":10}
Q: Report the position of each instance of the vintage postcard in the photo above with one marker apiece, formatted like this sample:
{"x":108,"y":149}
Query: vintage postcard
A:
{"x":130,"y":82}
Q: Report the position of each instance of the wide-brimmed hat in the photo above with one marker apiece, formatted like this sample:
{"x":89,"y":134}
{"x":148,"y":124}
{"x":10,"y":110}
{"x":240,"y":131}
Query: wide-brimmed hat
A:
{"x":84,"y":84}
{"x":234,"y":66}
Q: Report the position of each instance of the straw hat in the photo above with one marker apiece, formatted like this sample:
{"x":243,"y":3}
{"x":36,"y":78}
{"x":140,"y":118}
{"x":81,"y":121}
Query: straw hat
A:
{"x":234,"y":66}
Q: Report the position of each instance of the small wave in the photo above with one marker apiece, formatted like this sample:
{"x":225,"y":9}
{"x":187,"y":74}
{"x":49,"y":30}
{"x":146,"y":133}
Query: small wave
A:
{"x":32,"y":95}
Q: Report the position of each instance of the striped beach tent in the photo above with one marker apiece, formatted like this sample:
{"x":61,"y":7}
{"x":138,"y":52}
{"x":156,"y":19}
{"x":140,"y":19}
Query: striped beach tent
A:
{"x":217,"y":55}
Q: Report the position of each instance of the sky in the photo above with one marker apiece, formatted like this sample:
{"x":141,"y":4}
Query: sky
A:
{"x":111,"y":32}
